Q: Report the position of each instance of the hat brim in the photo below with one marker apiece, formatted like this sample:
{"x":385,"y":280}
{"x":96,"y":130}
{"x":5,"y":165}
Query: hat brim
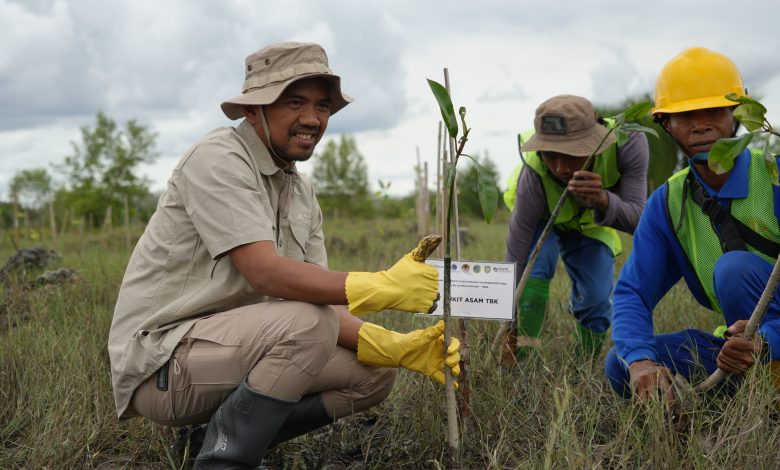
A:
{"x":234,"y":108}
{"x":695,"y":104}
{"x":577,"y":144}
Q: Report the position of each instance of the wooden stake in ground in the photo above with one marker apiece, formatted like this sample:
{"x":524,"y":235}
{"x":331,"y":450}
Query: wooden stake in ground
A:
{"x":421,"y":201}
{"x":52,"y":220}
{"x":126,"y":206}
{"x":440,"y":188}
{"x":453,"y":431}
{"x":463,"y":398}
{"x":488,"y":198}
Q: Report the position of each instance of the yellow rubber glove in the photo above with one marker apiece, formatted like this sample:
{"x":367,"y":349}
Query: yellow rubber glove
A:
{"x":420,"y":350}
{"x":410,"y":285}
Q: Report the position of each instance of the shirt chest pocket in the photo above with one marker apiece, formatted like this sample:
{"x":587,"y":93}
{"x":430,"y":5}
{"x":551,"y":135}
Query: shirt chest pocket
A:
{"x":300,"y":226}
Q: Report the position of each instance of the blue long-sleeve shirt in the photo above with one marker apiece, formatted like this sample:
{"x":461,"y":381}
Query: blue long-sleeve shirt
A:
{"x":657,"y":262}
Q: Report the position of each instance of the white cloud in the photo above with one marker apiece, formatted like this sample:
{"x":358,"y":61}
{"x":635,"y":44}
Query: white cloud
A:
{"x":169,"y":65}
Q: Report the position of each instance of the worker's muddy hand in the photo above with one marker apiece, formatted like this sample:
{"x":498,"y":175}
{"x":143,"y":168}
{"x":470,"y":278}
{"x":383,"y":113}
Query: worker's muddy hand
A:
{"x":649,"y":379}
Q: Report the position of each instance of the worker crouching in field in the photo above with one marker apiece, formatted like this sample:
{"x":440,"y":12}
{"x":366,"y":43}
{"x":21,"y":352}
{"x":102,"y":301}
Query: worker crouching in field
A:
{"x":228,"y":314}
{"x":606,"y":198}
{"x":699,"y":226}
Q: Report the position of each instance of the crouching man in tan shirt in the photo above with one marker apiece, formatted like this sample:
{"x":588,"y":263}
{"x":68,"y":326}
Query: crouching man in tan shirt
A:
{"x":228,"y":313}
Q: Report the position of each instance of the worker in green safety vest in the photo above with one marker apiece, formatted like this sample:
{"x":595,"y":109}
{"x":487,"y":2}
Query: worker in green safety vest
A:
{"x":719,"y":231}
{"x":604,"y":199}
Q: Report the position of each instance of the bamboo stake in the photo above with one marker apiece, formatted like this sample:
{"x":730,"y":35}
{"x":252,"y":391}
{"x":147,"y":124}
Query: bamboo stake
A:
{"x":465,"y":393}
{"x":52,"y":220}
{"x":126,"y":204}
{"x":440,"y":188}
{"x":455,"y":183}
{"x":453,"y":432}
{"x":65,"y":222}
{"x":16,"y":218}
{"x":421,"y":200}
{"x":463,"y":399}
{"x":426,"y":199}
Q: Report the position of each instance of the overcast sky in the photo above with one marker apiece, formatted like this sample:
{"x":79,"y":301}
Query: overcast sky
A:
{"x":169,"y":63}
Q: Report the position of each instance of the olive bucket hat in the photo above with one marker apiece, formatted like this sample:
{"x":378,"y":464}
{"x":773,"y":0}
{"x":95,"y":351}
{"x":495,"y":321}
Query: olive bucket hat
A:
{"x":567,"y":124}
{"x":269,"y":71}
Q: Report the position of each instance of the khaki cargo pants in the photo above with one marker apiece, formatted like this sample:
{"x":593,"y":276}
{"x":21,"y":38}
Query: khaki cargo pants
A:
{"x":284,"y":349}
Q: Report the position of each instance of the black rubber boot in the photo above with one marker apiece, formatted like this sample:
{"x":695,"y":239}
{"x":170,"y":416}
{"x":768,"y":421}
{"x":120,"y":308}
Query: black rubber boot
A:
{"x":309,"y":414}
{"x":241,"y":430}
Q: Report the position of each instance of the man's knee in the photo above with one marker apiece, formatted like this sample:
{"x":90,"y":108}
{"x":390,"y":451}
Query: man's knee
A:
{"x":739,"y":279}
{"x":738,"y":268}
{"x":372,"y":386}
{"x":314,"y":332}
{"x":375,"y":385}
{"x":383,"y":380}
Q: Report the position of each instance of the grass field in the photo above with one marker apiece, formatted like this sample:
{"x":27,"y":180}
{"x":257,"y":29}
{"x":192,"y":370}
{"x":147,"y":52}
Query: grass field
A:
{"x":555,"y":411}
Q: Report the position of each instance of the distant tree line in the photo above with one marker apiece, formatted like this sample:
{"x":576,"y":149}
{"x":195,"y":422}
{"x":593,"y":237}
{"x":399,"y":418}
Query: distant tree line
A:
{"x":97,"y":186}
{"x":340,"y":177}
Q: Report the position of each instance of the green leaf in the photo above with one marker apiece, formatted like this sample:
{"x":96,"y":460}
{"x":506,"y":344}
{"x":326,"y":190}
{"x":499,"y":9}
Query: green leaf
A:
{"x":770,"y":161}
{"x":445,"y":105}
{"x":473,"y":160}
{"x":724,"y":151}
{"x":751,"y":116}
{"x":634,"y":127}
{"x":618,"y":118}
{"x":637,"y":111}
{"x":745,"y":100}
{"x":621,"y":136}
{"x":488,"y":194}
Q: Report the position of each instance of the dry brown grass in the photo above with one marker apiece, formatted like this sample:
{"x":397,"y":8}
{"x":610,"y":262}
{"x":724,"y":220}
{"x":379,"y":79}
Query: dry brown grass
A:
{"x":554,"y":411}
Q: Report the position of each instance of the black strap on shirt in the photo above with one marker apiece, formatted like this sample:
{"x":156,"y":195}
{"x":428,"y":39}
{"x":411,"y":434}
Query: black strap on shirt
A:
{"x":733,"y":234}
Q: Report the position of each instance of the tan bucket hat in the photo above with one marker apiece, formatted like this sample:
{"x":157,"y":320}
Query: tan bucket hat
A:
{"x":567,"y":124}
{"x":272,"y":69}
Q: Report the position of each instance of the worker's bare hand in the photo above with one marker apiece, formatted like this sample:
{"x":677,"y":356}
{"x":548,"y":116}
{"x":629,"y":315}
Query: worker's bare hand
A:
{"x":649,"y":379}
{"x":738,"y":354}
{"x":737,"y":328}
{"x":588,"y":187}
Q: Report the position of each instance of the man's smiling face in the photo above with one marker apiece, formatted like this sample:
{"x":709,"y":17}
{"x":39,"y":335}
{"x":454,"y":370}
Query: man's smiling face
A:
{"x":297,"y":119}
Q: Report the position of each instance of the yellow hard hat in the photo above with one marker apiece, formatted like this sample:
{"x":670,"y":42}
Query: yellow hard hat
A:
{"x":697,"y":78}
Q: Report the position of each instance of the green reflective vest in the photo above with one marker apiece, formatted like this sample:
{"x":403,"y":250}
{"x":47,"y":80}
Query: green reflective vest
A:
{"x":573,"y":216}
{"x":511,"y":186}
{"x":694,"y":231}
